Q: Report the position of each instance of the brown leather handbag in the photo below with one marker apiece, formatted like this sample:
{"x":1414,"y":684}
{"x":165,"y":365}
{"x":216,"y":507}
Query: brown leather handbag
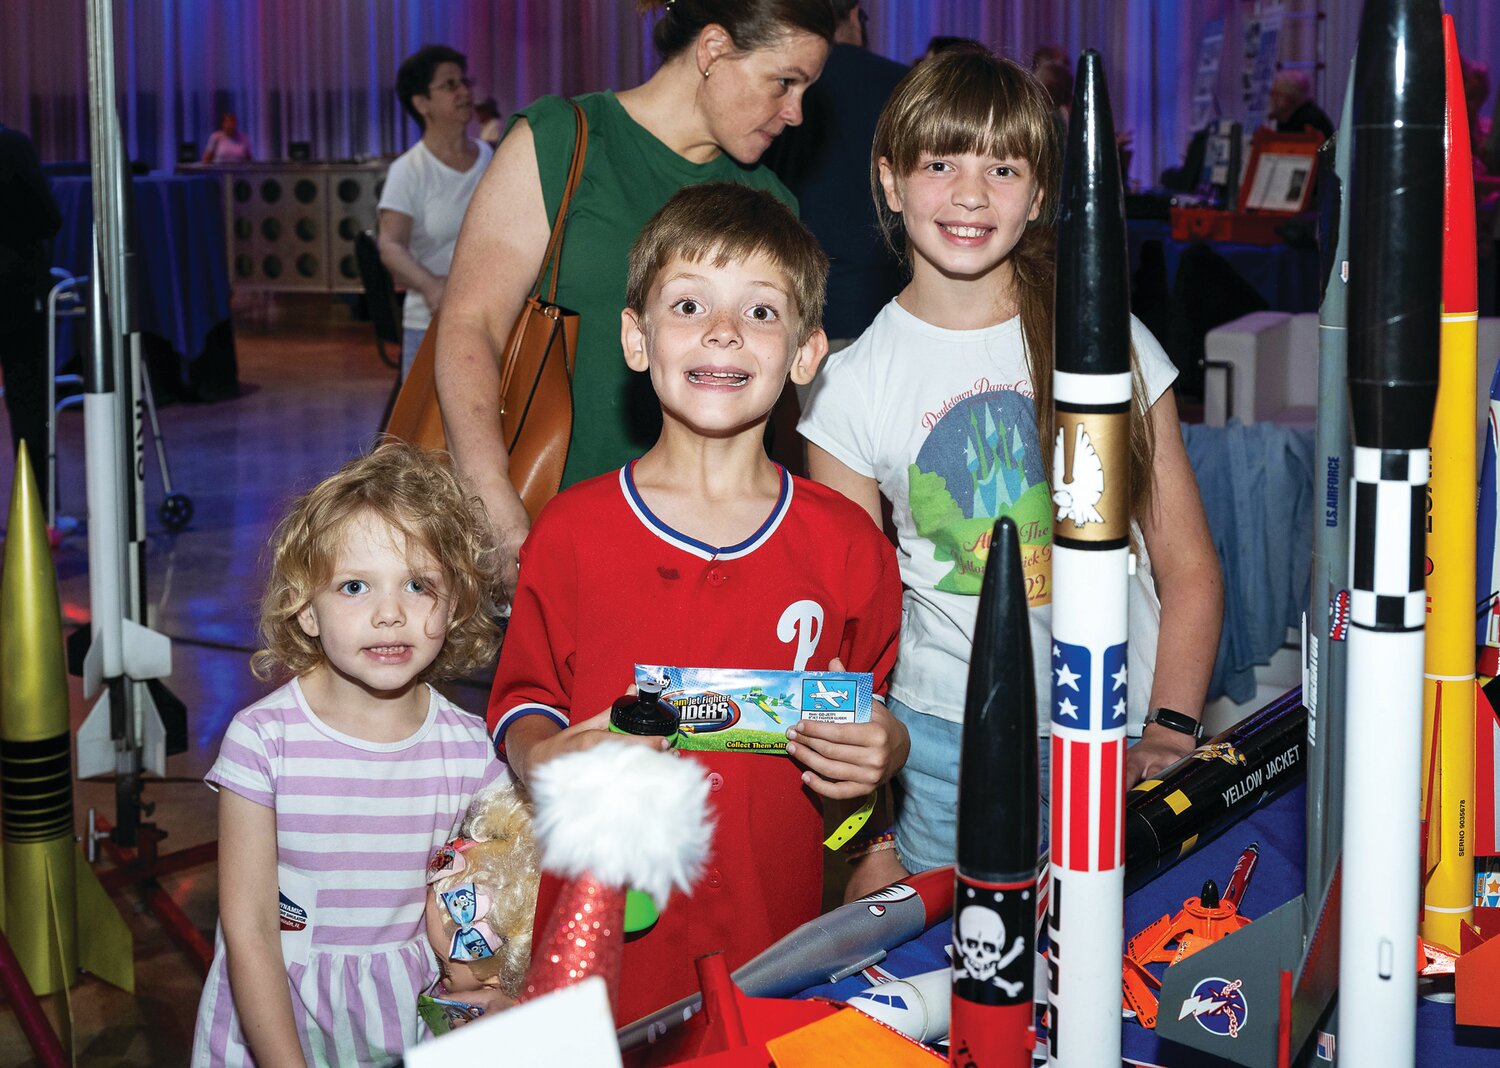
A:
{"x":536,"y":373}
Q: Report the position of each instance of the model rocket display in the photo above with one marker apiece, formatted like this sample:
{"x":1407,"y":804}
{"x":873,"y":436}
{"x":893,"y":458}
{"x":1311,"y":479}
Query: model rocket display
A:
{"x":1395,"y":255}
{"x":995,"y":891}
{"x":1090,"y":561}
{"x":825,"y":950}
{"x":1327,"y":627}
{"x":1448,"y":693}
{"x":47,"y":884}
{"x":123,"y":734}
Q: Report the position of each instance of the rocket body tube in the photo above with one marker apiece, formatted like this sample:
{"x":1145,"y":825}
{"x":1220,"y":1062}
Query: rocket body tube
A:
{"x":1227,"y":777}
{"x":1090,"y":562}
{"x":1395,"y":255}
{"x":1448,"y":692}
{"x":1326,"y":643}
{"x":825,"y":950}
{"x":995,"y":891}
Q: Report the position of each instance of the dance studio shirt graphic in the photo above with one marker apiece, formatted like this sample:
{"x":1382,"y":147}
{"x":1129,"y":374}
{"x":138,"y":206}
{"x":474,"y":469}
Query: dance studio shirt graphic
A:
{"x":981,"y":460}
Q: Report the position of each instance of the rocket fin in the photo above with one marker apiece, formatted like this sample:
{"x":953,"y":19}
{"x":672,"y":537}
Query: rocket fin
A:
{"x":148,"y":653}
{"x":1432,"y":811}
{"x":96,"y":743}
{"x":152,"y":734}
{"x":108,"y":952}
{"x":59,"y":955}
{"x":93,"y":668}
{"x":1252,"y":960}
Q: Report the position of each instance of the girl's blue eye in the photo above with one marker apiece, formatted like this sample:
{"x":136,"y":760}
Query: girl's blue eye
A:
{"x":416,"y":585}
{"x":354,"y":587}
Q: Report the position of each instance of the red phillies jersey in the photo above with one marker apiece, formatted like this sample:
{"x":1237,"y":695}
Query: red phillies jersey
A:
{"x":606,"y":585}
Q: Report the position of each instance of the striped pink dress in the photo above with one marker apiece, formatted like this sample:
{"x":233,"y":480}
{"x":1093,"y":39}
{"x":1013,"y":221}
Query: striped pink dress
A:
{"x":356,"y":822}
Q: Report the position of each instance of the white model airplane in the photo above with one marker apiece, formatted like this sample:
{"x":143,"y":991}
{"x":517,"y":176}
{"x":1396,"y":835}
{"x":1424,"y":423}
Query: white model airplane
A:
{"x":832,"y":697}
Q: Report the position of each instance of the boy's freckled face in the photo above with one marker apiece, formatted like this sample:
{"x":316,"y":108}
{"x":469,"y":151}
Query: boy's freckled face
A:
{"x":719,"y":341}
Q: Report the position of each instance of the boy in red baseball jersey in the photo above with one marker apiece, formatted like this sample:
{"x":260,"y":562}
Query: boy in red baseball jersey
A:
{"x":705,"y":553}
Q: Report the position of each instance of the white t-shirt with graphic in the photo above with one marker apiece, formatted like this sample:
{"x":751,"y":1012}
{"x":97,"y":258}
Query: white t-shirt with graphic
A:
{"x":944,"y":421}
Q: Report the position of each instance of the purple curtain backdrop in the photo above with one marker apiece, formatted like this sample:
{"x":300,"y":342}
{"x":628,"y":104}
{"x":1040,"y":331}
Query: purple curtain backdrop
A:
{"x":323,"y":72}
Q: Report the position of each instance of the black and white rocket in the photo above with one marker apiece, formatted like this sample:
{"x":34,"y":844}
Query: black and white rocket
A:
{"x":1395,"y":262}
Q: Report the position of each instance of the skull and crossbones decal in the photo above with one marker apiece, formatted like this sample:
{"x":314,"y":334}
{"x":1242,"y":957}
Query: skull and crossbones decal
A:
{"x":981,"y":938}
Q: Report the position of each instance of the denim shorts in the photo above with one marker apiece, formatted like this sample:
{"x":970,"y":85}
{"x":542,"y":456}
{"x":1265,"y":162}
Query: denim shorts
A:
{"x":411,"y":341}
{"x":927,"y":801}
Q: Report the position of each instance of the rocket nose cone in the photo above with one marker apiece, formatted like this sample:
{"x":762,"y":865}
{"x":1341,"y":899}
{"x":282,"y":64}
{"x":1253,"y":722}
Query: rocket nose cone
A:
{"x":1092,"y":126}
{"x":1006,"y":577}
{"x":25,"y":498}
{"x":1399,"y":73}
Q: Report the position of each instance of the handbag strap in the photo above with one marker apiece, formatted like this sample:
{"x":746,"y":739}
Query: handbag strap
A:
{"x":553,"y":260}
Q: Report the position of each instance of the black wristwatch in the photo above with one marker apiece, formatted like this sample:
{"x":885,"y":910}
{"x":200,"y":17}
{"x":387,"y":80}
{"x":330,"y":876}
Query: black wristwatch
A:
{"x":1176,"y":721}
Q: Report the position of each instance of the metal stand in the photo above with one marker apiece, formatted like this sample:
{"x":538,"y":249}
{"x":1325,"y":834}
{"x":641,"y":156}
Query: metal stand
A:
{"x":29,"y":1014}
{"x":142,"y":867}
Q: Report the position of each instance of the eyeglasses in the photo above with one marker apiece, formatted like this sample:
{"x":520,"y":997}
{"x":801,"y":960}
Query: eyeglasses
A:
{"x":452,"y":85}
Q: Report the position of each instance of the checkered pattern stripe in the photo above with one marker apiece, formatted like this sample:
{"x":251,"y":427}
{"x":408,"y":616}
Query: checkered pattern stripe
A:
{"x":1387,"y":564}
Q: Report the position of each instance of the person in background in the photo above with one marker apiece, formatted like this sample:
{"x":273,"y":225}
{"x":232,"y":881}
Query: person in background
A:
{"x":1050,"y":65}
{"x":428,"y":187}
{"x":826,"y":157}
{"x":28,"y":220}
{"x":487,"y":111}
{"x":946,"y":43}
{"x":1292,"y":109}
{"x":732,"y":77}
{"x":227,"y":144}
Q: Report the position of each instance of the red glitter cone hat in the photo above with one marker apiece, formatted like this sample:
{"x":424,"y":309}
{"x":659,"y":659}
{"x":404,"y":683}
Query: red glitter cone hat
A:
{"x":610,"y":819}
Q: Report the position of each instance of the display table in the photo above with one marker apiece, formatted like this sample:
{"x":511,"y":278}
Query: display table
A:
{"x":1286,"y":277}
{"x":182,"y":280}
{"x":1279,"y":830}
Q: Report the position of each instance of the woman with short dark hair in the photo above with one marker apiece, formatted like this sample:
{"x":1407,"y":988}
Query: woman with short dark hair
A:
{"x":428,"y":187}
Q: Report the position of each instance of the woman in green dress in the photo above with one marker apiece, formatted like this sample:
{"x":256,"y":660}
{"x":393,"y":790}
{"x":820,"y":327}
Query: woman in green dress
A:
{"x":732,"y":77}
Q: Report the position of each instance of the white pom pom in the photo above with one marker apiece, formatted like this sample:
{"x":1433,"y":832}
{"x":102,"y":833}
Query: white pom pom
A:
{"x":627,"y":815}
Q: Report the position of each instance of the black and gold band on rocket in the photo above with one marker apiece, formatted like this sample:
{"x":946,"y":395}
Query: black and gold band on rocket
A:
{"x":36,"y":789}
{"x":1090,"y":480}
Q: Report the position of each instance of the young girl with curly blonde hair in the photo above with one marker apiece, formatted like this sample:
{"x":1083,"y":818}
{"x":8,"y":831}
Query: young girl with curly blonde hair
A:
{"x":335,"y":789}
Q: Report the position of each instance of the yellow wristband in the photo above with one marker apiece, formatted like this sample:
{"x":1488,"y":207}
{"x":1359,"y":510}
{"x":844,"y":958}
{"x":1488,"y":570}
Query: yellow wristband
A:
{"x":851,"y":826}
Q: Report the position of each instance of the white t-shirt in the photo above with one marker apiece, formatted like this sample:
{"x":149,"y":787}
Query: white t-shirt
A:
{"x":435,"y":196}
{"x":944,"y":421}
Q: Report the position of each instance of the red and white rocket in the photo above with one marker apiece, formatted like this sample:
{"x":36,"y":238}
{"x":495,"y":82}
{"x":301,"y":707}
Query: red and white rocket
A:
{"x":1090,"y":562}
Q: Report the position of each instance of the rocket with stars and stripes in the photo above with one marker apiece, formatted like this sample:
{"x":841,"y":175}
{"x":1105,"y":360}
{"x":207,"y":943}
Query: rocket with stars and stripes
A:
{"x":1090,"y":576}
{"x":1395,"y":264}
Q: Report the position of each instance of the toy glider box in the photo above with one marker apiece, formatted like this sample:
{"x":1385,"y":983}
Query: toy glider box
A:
{"x":1277,"y":187}
{"x":736,"y":710}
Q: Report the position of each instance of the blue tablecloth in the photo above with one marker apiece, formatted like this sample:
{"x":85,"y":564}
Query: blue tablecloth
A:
{"x":1286,"y":277}
{"x":182,"y":275}
{"x":1280,"y":831}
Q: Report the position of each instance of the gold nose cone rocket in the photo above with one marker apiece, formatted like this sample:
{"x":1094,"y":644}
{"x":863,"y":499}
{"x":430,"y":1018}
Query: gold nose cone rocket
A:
{"x":46,"y":884}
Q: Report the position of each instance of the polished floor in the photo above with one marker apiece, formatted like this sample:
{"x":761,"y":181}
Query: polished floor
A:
{"x":314,"y":391}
